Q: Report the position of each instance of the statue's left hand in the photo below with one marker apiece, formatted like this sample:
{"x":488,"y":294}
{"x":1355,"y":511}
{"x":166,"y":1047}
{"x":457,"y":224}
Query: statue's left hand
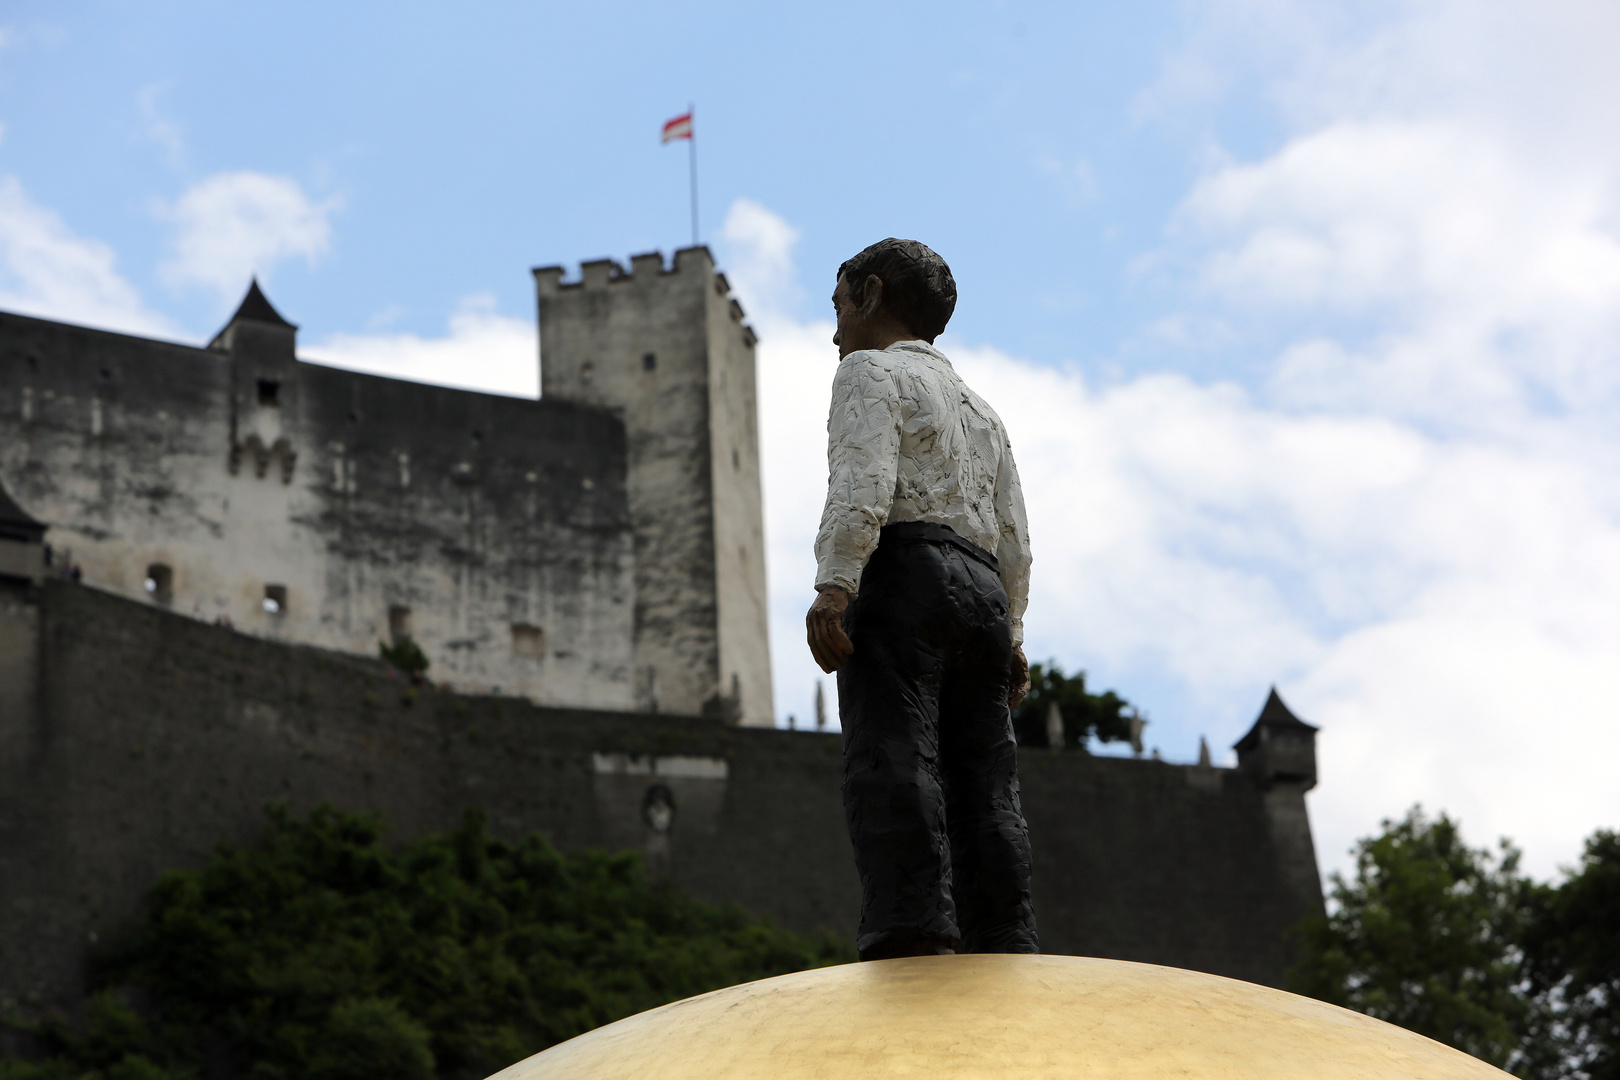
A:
{"x":1018,"y":682}
{"x":824,"y":627}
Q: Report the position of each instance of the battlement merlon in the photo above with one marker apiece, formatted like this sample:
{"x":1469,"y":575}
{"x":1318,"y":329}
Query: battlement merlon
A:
{"x":604,"y":273}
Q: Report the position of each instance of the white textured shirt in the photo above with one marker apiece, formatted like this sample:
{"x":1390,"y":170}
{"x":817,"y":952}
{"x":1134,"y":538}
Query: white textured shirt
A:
{"x":908,"y":441}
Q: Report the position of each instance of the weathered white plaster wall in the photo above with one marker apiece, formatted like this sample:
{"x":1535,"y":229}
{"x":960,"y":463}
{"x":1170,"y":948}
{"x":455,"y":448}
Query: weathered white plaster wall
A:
{"x":601,"y":548}
{"x":701,"y":638}
{"x":739,"y":517}
{"x":478,"y":513}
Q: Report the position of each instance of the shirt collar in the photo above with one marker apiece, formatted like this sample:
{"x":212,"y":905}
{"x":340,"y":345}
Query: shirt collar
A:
{"x":919,"y":346}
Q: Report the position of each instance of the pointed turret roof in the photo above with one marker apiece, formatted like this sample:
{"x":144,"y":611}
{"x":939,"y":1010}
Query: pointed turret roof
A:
{"x":16,"y":523}
{"x":256,"y":307}
{"x":1276,"y":716}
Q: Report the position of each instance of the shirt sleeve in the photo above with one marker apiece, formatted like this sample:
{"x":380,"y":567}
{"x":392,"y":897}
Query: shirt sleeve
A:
{"x":1012,"y":552}
{"x":863,"y":459}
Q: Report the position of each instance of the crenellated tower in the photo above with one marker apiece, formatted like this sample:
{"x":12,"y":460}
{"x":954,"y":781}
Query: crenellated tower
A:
{"x":668,"y":349}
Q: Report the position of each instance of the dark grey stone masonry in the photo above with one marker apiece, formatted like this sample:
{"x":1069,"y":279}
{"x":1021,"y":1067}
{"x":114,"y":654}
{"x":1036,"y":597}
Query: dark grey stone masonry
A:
{"x":152,"y":737}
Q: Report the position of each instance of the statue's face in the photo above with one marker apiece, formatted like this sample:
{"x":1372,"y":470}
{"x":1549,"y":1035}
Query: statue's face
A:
{"x":841,"y":305}
{"x":854,"y":325}
{"x":868,"y":325}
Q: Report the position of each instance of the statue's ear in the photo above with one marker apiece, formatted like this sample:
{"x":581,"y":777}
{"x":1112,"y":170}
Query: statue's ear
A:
{"x":872,"y":297}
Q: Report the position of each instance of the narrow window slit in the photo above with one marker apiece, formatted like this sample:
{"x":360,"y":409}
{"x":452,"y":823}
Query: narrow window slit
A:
{"x":160,"y":583}
{"x":528,"y":641}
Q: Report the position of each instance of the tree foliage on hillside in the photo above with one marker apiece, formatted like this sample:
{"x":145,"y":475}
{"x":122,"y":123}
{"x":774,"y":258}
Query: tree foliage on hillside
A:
{"x":1084,"y":714}
{"x":1424,"y":936}
{"x":1572,"y":950}
{"x":322,"y":953}
{"x":1453,"y":943}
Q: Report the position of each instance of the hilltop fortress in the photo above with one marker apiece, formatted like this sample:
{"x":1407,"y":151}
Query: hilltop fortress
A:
{"x":599,"y":548}
{"x":230,"y":532}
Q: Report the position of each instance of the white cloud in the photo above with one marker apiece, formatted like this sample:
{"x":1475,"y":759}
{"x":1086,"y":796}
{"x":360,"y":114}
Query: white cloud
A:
{"x":796,"y":363}
{"x":759,"y":248}
{"x":1444,"y":600}
{"x":1411,"y":521}
{"x":48,"y":271}
{"x":1446,"y":608}
{"x":1543,"y":75}
{"x":1487,"y":275}
{"x":36,"y":35}
{"x":233,"y":225}
{"x":483,"y":350}
{"x":160,"y":128}
{"x":1443,"y":227}
{"x":1545,"y":72}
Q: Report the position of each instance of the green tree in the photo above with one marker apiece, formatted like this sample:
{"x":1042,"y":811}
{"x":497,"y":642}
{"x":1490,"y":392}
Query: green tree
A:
{"x":324,"y":953}
{"x":1573,"y":949}
{"x":1427,"y":935}
{"x":1084,"y":714}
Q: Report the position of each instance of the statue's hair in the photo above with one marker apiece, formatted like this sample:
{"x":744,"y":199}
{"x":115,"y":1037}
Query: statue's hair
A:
{"x":918,"y":288}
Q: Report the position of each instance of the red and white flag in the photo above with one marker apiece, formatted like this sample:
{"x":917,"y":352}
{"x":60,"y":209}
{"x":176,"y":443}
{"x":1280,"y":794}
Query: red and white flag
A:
{"x":678,"y":128}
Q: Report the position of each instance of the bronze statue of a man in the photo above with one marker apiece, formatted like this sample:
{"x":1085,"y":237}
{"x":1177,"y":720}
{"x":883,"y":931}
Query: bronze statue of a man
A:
{"x":922,"y":576}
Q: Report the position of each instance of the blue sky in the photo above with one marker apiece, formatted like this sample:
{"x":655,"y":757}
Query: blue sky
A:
{"x":465,"y":144}
{"x":1303,"y":315}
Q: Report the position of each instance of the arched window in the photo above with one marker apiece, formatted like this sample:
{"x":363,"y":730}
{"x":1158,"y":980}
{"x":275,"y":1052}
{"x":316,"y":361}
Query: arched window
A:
{"x":160,"y":583}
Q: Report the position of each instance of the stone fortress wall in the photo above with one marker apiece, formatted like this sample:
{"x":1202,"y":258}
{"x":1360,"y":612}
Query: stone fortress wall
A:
{"x":599,"y":548}
{"x":587,"y":571}
{"x":140,"y":738}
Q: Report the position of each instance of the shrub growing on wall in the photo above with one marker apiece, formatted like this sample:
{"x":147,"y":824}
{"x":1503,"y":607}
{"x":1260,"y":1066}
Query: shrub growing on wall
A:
{"x":321,"y":953}
{"x":406,"y":656}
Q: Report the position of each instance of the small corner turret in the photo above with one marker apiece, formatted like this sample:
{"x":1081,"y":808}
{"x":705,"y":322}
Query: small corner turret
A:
{"x":1280,"y":747}
{"x":258,"y":329}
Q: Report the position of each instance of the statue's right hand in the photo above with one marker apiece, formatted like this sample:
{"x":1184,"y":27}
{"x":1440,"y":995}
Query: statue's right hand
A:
{"x":1018,"y":678}
{"x":824,"y":628}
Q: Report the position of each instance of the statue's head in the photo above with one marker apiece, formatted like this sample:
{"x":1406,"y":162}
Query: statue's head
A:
{"x":907,"y":281}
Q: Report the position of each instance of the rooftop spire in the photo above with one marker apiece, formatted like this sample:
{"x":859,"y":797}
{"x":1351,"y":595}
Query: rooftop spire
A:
{"x":257,"y":328}
{"x":1276,"y":716}
{"x":256,"y":307}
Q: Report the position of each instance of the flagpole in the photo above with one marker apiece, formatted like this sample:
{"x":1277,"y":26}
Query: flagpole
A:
{"x":691,"y":148}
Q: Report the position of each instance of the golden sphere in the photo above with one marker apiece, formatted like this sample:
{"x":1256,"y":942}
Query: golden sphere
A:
{"x":989,"y":1016}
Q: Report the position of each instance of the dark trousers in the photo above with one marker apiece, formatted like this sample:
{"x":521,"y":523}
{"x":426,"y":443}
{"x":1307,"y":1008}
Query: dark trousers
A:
{"x":930,"y":765}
